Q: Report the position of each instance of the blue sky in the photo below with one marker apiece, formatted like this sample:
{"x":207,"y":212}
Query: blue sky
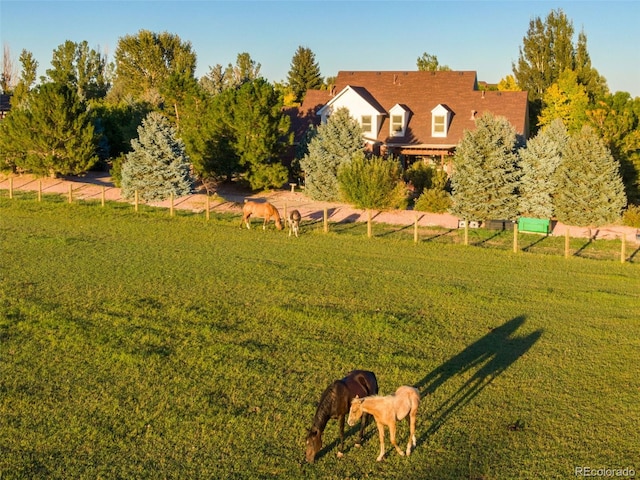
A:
{"x":479,"y":35}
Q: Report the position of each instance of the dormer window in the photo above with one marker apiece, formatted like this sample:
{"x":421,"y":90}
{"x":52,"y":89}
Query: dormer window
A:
{"x":365,"y":122}
{"x":440,"y":118}
{"x":398,"y":119}
{"x":396,"y":123}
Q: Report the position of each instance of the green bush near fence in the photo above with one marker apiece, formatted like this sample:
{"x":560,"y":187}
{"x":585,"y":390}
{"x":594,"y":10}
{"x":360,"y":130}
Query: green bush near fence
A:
{"x":139,"y":345}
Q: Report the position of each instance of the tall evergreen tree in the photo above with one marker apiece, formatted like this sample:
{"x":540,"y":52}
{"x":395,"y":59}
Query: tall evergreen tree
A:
{"x":485,"y":176}
{"x":590,"y":191}
{"x":158,"y":164}
{"x":304,"y":73}
{"x":260,"y":133}
{"x":208,"y":135}
{"x":51,"y":133}
{"x":538,"y":163}
{"x":334,"y":143}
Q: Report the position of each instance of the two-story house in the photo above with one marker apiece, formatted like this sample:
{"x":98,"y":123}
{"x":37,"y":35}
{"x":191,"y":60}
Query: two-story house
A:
{"x":414,"y":114}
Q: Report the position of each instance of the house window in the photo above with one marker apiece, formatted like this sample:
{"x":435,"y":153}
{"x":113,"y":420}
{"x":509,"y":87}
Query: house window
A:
{"x":439,"y":122}
{"x":365,"y":121}
{"x":396,"y":123}
{"x":440,"y":118}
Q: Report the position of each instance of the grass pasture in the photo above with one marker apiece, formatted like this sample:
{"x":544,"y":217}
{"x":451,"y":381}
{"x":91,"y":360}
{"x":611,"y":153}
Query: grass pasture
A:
{"x":135,"y":345}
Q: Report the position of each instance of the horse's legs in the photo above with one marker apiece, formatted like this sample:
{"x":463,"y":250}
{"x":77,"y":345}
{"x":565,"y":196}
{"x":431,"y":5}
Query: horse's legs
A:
{"x":380,"y":426}
{"x":341,"y":426}
{"x":245,"y":220}
{"x":412,"y":427}
{"x":412,"y":431}
{"x":392,"y":435}
{"x":363,"y":424}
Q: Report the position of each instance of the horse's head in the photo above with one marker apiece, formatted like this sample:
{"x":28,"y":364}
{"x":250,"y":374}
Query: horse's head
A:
{"x":314,"y":444}
{"x":355,"y":412}
{"x":278,"y":222}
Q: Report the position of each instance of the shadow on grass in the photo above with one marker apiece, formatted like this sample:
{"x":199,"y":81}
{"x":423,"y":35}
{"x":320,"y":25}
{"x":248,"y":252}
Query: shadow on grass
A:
{"x":490,"y":356}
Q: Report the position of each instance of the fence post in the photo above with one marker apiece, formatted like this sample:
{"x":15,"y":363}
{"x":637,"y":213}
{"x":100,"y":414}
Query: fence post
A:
{"x":566,"y":243}
{"x":10,"y":187}
{"x":623,"y":247}
{"x":369,"y":222}
{"x":70,"y":193}
{"x":325,"y":220}
{"x":515,"y":237}
{"x":39,"y":190}
{"x":466,"y":231}
{"x":102,"y":196}
{"x":415,"y":228}
{"x":208,"y":205}
{"x":171,"y":205}
{"x":135,"y":200}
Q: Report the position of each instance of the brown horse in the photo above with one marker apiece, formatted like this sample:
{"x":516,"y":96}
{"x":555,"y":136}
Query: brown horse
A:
{"x":260,"y":209}
{"x":293,"y":219}
{"x":386,"y":410}
{"x":334,"y":403}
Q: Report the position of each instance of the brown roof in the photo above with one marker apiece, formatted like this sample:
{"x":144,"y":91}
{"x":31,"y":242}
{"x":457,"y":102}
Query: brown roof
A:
{"x":421,"y":92}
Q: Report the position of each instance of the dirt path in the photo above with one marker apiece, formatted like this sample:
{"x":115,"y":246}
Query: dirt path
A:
{"x":94,"y":185}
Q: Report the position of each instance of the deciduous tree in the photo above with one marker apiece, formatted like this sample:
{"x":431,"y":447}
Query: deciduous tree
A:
{"x":566,"y":100}
{"x":372,"y":183}
{"x":146,"y":61}
{"x":429,"y":63}
{"x":80,"y":67}
{"x":27,"y":78}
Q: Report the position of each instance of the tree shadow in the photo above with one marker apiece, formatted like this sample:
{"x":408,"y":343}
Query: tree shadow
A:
{"x":491,"y":355}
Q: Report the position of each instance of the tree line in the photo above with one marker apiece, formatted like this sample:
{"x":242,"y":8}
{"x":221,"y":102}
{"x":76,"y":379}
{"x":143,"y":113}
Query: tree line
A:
{"x":230,"y":123}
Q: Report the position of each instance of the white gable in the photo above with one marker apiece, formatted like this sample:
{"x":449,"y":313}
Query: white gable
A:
{"x":368,"y":115}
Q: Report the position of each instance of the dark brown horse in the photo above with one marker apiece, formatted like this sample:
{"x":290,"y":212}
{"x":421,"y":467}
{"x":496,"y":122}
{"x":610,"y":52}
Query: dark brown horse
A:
{"x":335,"y":403}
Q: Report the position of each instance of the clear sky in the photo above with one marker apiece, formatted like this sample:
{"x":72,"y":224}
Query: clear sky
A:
{"x":480,"y":35}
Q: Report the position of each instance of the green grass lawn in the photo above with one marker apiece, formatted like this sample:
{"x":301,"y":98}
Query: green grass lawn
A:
{"x":144,"y":346}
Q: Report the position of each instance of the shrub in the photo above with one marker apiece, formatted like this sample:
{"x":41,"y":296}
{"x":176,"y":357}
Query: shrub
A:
{"x":372,"y":183}
{"x":419,"y":175}
{"x":631,"y":216}
{"x":433,"y":200}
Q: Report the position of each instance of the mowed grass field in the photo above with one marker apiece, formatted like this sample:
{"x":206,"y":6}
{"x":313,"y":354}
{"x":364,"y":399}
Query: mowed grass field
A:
{"x":135,"y":345}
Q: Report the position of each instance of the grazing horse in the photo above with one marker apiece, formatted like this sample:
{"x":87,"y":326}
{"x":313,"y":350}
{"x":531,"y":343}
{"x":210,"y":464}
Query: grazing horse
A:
{"x":334,"y":403}
{"x":293,"y":219}
{"x":260,"y":209}
{"x":386,"y":410}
